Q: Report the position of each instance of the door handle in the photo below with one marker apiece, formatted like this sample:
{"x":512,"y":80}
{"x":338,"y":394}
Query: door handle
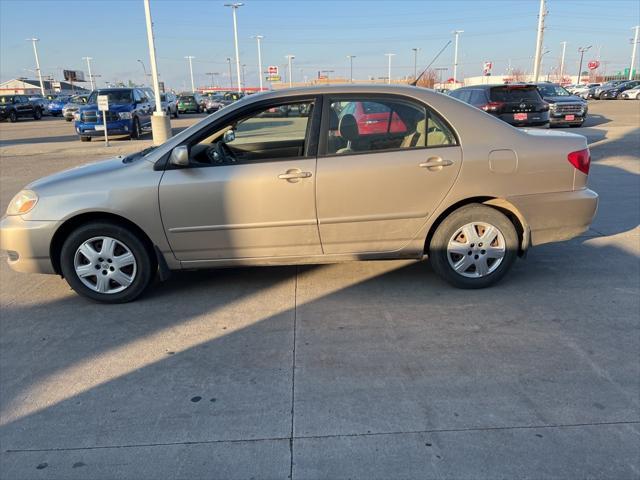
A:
{"x":294,"y":175}
{"x":435,"y":163}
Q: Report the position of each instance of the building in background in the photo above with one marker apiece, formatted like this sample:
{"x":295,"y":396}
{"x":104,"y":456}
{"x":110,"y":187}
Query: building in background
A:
{"x":25,"y":86}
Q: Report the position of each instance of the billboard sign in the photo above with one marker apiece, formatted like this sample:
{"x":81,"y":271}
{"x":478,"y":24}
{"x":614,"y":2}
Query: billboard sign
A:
{"x":486,"y":68}
{"x":273,"y":78}
{"x":273,"y":70}
{"x":73,"y":75}
{"x":593,"y":64}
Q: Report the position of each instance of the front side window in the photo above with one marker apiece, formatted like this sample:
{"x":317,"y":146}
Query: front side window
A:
{"x":279,"y":132}
{"x":371,"y":125}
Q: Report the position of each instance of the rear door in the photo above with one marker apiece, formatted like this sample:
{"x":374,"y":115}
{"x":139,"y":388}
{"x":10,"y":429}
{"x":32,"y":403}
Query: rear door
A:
{"x":375,"y":191}
{"x":520,"y":102}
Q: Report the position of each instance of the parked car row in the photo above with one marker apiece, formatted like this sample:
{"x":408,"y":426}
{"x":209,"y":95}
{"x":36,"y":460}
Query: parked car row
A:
{"x":610,"y":90}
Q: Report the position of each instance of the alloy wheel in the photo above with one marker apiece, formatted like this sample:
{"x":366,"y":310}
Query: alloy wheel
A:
{"x":105,"y":265}
{"x":476,"y":249}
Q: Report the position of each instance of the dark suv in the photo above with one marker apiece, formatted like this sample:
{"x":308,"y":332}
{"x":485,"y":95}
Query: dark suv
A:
{"x":519,"y":105}
{"x":13,"y":107}
{"x":564,"y":108}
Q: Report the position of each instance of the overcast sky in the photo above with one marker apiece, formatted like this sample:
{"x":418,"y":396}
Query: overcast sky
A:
{"x":319,"y":33}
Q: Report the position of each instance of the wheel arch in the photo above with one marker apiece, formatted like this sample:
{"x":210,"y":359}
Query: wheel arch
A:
{"x":500,"y":204}
{"x":72,"y":223}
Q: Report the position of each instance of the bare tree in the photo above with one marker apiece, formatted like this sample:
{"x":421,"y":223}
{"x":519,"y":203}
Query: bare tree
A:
{"x":428,"y":79}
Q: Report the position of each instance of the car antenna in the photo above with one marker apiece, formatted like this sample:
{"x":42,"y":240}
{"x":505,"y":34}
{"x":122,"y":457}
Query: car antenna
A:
{"x":415,"y":82}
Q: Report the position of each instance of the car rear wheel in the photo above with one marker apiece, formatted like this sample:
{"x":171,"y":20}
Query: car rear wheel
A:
{"x":13,"y":116}
{"x":37,"y":114}
{"x":135,"y":129}
{"x":85,"y":139}
{"x":106,"y":262}
{"x":474,"y":247}
{"x":175,"y":114}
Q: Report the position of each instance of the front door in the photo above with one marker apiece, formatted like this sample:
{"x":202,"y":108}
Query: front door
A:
{"x":384,"y":166}
{"x":249,"y":191}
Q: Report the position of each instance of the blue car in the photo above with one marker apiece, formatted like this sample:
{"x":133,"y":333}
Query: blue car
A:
{"x":57,"y":104}
{"x":129,"y":112}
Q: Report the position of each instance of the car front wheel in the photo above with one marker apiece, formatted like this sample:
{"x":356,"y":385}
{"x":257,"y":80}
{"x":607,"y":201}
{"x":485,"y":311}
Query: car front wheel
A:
{"x":13,"y":116}
{"x":135,"y":129}
{"x":474,"y":247}
{"x":106,"y":262}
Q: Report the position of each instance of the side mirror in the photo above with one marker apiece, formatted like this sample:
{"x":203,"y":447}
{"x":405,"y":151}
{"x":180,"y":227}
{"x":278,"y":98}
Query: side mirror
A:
{"x":179,"y":156}
{"x":229,"y":136}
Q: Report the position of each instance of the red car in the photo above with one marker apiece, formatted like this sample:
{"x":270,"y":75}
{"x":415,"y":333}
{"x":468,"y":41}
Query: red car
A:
{"x":373,"y":118}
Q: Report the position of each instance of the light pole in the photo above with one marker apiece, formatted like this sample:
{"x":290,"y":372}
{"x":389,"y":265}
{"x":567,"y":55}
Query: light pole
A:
{"x":389,"y":55}
{"x":538,"y":58}
{"x":88,"y":59}
{"x":244,"y":83}
{"x":581,"y":50}
{"x":190,"y":58}
{"x":160,"y":123}
{"x":633,"y":51}
{"x":259,"y":40}
{"x":212,"y":74}
{"x":35,"y":52}
{"x":234,"y":7}
{"x":289,"y":58}
{"x":455,"y":56}
{"x":351,"y":57}
{"x":415,"y":62}
{"x":564,"y":47}
{"x":144,"y":69}
{"x":230,"y":74}
{"x":440,"y":70}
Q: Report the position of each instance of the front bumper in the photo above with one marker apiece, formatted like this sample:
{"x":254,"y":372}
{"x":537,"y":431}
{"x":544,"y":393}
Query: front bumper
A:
{"x":608,"y":96}
{"x":27,"y":244}
{"x":117,"y":127}
{"x":554,"y":217}
{"x":561,"y":119}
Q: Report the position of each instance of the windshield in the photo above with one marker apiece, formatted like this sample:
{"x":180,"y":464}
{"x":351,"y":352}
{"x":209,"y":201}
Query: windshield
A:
{"x":117,"y":97}
{"x":187,"y":99}
{"x":515,"y":94}
{"x":549,"y":90}
{"x":6,"y":99}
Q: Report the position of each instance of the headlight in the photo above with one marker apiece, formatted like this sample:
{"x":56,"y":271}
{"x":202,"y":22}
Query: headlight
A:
{"x":76,"y":116}
{"x":124,"y":115}
{"x":22,"y":203}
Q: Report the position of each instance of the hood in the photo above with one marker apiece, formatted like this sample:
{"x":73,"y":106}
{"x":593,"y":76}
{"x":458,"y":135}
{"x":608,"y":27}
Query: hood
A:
{"x":78,"y":174}
{"x":563,"y":99}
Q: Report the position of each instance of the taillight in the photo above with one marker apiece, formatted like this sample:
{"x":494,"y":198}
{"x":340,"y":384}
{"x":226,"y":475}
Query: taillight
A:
{"x":580,"y":160}
{"x":492,"y":106}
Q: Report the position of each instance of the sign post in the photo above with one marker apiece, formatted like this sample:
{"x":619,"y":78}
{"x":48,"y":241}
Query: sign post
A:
{"x":103,"y":106}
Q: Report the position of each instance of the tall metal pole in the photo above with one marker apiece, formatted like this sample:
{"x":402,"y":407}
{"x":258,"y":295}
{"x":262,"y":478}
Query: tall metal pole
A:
{"x":230,"y":74}
{"x":564,"y":48}
{"x":259,"y":40}
{"x":88,"y":59}
{"x":351,"y":57}
{"x":455,"y":56}
{"x":190,"y":58}
{"x":35,"y":52}
{"x":289,"y":58}
{"x":581,"y":50}
{"x":244,"y":83}
{"x":389,"y":55}
{"x":415,"y":62}
{"x":234,"y":7}
{"x":538,"y":57}
{"x":160,"y":123}
{"x":633,"y":51}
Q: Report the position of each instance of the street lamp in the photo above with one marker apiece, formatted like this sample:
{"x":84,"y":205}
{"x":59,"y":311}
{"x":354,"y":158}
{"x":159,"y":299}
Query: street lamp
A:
{"x":230,"y":74}
{"x":244,"y":83}
{"x":351,"y":57}
{"x":88,"y":59}
{"x":259,"y":40}
{"x":234,"y":7}
{"x":289,"y":58}
{"x":35,"y":52}
{"x":455,"y":56}
{"x":415,"y":62}
{"x":581,"y":50}
{"x":190,"y":58}
{"x":389,"y":55}
{"x":212,"y":74}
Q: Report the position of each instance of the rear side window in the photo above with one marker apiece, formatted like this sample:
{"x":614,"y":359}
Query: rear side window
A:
{"x":515,"y":94}
{"x":372,"y":125}
{"x":478,"y":97}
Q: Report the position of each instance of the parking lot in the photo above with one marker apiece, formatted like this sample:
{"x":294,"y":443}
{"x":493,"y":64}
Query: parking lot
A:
{"x":369,"y":370}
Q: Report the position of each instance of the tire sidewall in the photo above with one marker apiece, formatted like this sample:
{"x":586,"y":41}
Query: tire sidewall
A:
{"x":135,"y":133}
{"x":455,"y":220}
{"x":144,"y":262}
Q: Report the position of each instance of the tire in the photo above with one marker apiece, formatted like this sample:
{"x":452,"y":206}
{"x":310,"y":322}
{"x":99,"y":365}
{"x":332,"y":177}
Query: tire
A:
{"x":175,"y":115}
{"x":137,"y":267}
{"x":85,"y":139}
{"x":68,"y":119}
{"x":135,"y":130}
{"x":13,"y":116}
{"x":473,"y":218}
{"x":37,"y":114}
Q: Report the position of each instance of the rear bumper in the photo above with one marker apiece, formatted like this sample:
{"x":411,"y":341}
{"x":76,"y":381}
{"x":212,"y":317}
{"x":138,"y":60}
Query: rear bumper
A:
{"x":554,"y":217}
{"x":533,"y":119}
{"x":27,"y":244}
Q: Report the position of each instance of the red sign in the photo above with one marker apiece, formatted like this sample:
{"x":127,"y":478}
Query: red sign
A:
{"x":272,"y":70}
{"x":593,"y":64}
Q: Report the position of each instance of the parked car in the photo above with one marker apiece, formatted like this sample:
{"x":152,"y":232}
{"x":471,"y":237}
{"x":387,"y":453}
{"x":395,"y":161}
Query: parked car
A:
{"x":631,"y":93}
{"x":373,"y":118}
{"x":57,"y":104}
{"x":169,"y":104}
{"x":613,"y":92}
{"x":517,"y":104}
{"x":606,"y":86}
{"x":42,"y":103}
{"x":236,"y":190}
{"x":73,"y":105}
{"x":584,"y":91}
{"x":190,"y":103}
{"x":129,"y":112}
{"x":15,"y":107}
{"x":214,"y":102}
{"x":564,"y":108}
